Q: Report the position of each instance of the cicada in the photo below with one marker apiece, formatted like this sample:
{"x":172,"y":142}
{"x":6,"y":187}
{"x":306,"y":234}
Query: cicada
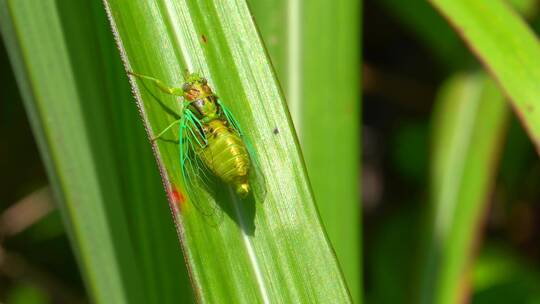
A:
{"x":210,"y":138}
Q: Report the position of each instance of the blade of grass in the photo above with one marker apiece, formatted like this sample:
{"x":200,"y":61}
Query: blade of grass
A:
{"x":469,"y":125}
{"x":430,"y":27}
{"x":508,"y":49}
{"x":278,"y":21}
{"x":316,"y":56}
{"x":330,"y":124}
{"x":89,"y":135}
{"x":271,"y":251}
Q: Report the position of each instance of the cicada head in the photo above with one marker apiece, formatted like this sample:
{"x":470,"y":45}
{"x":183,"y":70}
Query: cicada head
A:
{"x":196,"y":87}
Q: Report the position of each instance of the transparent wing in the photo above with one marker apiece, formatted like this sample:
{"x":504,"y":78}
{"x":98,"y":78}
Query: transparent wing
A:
{"x":256,"y":176}
{"x":198,"y":181}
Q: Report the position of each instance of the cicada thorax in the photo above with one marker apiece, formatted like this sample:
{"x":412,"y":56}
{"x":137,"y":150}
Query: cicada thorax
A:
{"x":225,"y":153}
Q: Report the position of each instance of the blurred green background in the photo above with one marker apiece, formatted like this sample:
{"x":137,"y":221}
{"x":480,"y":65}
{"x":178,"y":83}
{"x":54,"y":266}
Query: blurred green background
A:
{"x":405,"y":63}
{"x":37,"y":262}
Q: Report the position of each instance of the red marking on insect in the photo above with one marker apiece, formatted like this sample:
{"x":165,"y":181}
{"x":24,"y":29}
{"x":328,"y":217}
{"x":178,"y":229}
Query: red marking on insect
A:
{"x":177,"y":197}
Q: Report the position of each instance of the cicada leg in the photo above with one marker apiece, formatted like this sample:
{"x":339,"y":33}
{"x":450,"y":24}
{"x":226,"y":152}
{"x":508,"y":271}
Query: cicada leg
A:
{"x":166,"y":129}
{"x":160,"y":85}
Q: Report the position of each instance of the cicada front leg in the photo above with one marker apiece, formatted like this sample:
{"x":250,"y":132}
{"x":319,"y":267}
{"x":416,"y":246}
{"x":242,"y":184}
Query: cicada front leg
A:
{"x":160,"y":85}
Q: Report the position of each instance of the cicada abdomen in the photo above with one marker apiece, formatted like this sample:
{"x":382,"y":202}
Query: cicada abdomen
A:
{"x":226,"y":155}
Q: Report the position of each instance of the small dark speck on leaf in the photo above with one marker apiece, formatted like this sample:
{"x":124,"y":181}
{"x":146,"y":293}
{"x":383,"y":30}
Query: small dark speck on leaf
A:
{"x":276,"y":131}
{"x":204,"y":39}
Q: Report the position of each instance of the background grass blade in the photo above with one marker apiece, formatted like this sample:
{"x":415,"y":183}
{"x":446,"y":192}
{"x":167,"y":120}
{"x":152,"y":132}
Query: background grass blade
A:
{"x":507,"y":48}
{"x":469,"y":125}
{"x":98,"y":160}
{"x":266,"y":251}
{"x":316,"y":56}
{"x":435,"y":32}
{"x":330,"y":123}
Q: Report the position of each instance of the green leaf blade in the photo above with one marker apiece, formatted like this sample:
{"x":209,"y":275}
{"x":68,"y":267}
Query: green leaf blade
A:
{"x":268,"y":251}
{"x":316,"y":56}
{"x":469,"y":127}
{"x":508,"y":49}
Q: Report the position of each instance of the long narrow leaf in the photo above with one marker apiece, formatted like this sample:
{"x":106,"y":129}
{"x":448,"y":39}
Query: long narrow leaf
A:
{"x":90,"y":211}
{"x":316,"y":56}
{"x":508,"y":49}
{"x":329,"y":123}
{"x":271,"y":250}
{"x":469,"y":125}
{"x":430,"y":27}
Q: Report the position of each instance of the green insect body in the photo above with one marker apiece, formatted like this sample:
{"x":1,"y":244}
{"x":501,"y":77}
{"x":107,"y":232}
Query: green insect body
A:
{"x":210,"y":136}
{"x":226,"y":155}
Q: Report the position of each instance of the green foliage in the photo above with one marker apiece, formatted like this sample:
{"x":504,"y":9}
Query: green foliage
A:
{"x":328,"y":123}
{"x":469,"y":127}
{"x":507,"y":47}
{"x":462,"y":178}
{"x":316,"y":56}
{"x":272,"y":246}
{"x":98,"y":160}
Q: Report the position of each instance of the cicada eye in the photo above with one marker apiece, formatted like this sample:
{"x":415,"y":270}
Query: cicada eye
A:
{"x":186,"y":87}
